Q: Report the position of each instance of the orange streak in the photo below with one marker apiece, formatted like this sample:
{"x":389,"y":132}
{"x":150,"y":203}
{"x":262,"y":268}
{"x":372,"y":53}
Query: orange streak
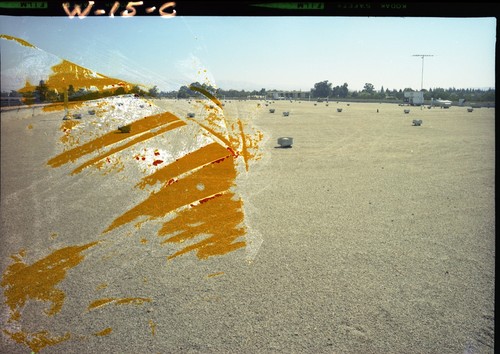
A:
{"x":136,"y":300}
{"x":20,"y":41}
{"x":137,"y":127}
{"x":66,"y":128}
{"x":117,"y":301}
{"x":215,"y":177}
{"x":38,"y":281}
{"x":101,"y":302}
{"x":219,"y":136}
{"x":59,"y":106}
{"x":38,"y":340}
{"x":221,"y":218}
{"x":67,"y":73}
{"x":104,"y":332}
{"x":153,"y":327}
{"x":207,"y":94}
{"x":215,"y":274}
{"x":143,"y":137}
{"x":244,"y":150}
{"x":191,"y":161}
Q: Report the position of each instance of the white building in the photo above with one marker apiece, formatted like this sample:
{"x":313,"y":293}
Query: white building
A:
{"x":414,"y":98}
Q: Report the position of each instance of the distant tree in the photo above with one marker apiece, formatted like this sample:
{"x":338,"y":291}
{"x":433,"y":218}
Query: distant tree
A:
{"x":137,"y":90}
{"x":52,"y":96}
{"x":153,"y":92}
{"x":343,"y":90}
{"x":368,"y":88}
{"x":382,"y":89}
{"x":42,"y":90}
{"x":71,"y":90}
{"x":29,"y":97}
{"x":120,"y":91}
{"x":184,"y":92}
{"x":322,"y":89}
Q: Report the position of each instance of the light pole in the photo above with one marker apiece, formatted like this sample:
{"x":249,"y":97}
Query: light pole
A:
{"x":422,"y":56}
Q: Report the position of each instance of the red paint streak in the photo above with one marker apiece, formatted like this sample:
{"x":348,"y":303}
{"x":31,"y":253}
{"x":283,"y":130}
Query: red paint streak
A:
{"x":204,"y":200}
{"x":157,"y":153}
{"x":157,"y":162}
{"x":219,"y":160}
{"x":171,"y":181}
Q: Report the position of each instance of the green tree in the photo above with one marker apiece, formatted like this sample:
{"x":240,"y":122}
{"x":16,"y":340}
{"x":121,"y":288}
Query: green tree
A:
{"x":322,"y":89}
{"x":344,"y":90}
{"x":369,"y":88}
{"x":184,"y":92}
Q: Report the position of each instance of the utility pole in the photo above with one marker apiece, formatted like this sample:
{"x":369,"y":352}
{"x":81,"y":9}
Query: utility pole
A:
{"x":422,"y":56}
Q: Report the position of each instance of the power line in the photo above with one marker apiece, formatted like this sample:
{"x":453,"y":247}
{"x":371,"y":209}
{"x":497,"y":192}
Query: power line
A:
{"x":422,"y":56}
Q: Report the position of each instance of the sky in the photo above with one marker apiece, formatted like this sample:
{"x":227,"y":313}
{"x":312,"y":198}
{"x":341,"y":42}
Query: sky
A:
{"x":288,"y":53}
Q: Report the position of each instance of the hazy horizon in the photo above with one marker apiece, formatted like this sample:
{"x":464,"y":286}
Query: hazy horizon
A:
{"x":282,"y":53}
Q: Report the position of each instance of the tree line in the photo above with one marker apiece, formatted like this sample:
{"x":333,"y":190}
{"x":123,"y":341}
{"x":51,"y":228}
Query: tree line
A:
{"x":323,"y":89}
{"x":45,"y":94}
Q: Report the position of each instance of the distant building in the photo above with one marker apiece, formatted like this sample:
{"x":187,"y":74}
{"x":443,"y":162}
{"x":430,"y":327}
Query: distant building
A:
{"x":11,"y":101}
{"x":414,"y":98}
{"x":288,"y":95}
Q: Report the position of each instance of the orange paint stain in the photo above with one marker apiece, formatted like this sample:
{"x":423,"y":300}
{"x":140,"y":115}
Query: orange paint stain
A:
{"x":244,"y":150}
{"x":38,"y":281}
{"x":18,"y":40}
{"x":99,"y":303}
{"x":59,"y":106}
{"x":117,"y":301}
{"x":153,"y":327}
{"x":215,"y":274}
{"x":132,"y":300}
{"x":30,"y":126}
{"x":104,"y":332}
{"x":67,"y":125}
{"x":218,"y":136}
{"x":38,"y":340}
{"x":66,"y":128}
{"x":207,"y":94}
{"x":189,"y":162}
{"x":137,"y":127}
{"x":144,"y":241}
{"x":67,"y":73}
{"x":141,"y":138}
{"x":221,"y":218}
{"x":101,"y":286}
{"x":249,"y":144}
{"x":216,"y":178}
